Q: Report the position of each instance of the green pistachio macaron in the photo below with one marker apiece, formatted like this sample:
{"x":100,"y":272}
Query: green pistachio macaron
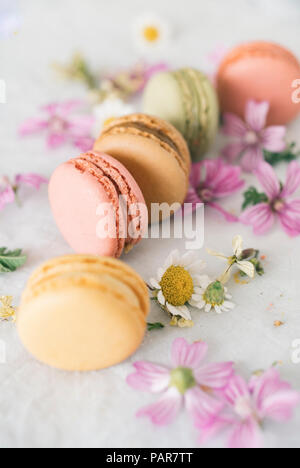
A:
{"x":186,"y":99}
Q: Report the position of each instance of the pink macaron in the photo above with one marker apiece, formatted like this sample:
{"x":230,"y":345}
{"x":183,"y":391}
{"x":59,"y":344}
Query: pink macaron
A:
{"x":262,"y":71}
{"x":97,"y":205}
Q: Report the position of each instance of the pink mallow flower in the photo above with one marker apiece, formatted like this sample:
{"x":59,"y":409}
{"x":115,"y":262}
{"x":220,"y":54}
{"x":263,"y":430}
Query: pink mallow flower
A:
{"x":62,"y":126}
{"x":279,"y":204}
{"x":211,"y":180}
{"x":252,"y":136}
{"x":266,"y":397}
{"x":9,"y":190}
{"x":188,"y":384}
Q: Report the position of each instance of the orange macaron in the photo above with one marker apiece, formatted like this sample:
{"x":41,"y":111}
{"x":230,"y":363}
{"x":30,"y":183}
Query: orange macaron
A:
{"x":262,"y":71}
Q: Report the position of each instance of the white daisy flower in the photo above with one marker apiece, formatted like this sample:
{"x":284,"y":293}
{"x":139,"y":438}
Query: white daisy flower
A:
{"x":107,"y":111}
{"x":245,"y":266}
{"x":179,"y":283}
{"x":215,"y":296}
{"x":151,"y":32}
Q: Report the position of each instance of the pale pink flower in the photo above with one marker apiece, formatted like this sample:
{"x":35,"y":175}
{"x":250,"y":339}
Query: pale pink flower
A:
{"x":9,"y":190}
{"x":62,"y":126}
{"x":279,"y":205}
{"x":185,"y":384}
{"x":211,"y":180}
{"x":252,"y":136}
{"x":266,"y":397}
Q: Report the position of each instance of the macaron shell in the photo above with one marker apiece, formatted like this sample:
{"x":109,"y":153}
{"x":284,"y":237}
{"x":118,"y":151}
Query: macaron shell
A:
{"x":263,"y":72}
{"x":82,"y":313}
{"x":80,"y":329}
{"x":75,"y":198}
{"x":156,"y":171}
{"x":162,"y":97}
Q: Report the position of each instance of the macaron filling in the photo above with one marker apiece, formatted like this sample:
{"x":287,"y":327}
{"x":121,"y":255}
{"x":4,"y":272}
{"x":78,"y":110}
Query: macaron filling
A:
{"x":111,"y":178}
{"x":148,"y":132}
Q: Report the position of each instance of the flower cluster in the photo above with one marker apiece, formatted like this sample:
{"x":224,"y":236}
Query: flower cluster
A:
{"x":214,"y":396}
{"x":7,"y":311}
{"x":181,"y":283}
{"x":9,"y":190}
{"x":252,"y":137}
{"x":62,"y":125}
{"x":213,"y":180}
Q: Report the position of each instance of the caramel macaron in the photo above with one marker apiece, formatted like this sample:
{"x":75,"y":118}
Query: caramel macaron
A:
{"x":262,"y":71}
{"x":83,"y":313}
{"x":154,"y":152}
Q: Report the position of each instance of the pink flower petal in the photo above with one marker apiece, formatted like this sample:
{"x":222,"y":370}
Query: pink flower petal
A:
{"x":202,"y":407}
{"x":280,"y":405}
{"x":149,"y":377}
{"x":268,"y":179}
{"x":233,"y":151}
{"x":33,"y":180}
{"x":273,"y":138}
{"x":222,"y":179}
{"x":80,"y":125}
{"x":237,"y":388}
{"x":84,"y":143}
{"x":260,"y":217}
{"x":292,"y":180}
{"x":55,"y":140}
{"x":165,"y":410}
{"x":251,"y":158}
{"x":62,"y":109}
{"x":216,"y":375}
{"x":228,"y":216}
{"x":32,"y":126}
{"x":209,"y":431}
{"x":256,"y":114}
{"x":186,"y":355}
{"x":246,"y":435}
{"x":7,"y":196}
{"x":289,"y":218}
{"x":195,"y":176}
{"x":233,"y":125}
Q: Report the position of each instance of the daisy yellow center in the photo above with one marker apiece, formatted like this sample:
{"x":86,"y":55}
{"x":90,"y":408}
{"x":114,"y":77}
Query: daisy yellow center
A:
{"x":182,"y":378}
{"x":177,"y":285}
{"x":151,"y":33}
{"x":214,"y":294}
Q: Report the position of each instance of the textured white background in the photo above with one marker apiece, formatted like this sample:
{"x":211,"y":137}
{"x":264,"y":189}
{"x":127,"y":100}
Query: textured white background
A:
{"x":41,"y":407}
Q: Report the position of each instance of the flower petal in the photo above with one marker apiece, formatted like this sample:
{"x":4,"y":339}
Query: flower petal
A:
{"x":274,"y":397}
{"x":245,"y":435}
{"x":292,"y":180}
{"x":289,"y":218}
{"x":33,"y":180}
{"x":236,"y":389}
{"x":215,"y":376}
{"x":165,"y":410}
{"x":233,"y":125}
{"x":237,"y":245}
{"x":195,"y":176}
{"x":201,"y":406}
{"x":186,"y":355}
{"x":149,"y":377}
{"x":221,"y":179}
{"x":260,"y":217}
{"x":32,"y":126}
{"x":252,"y":157}
{"x":228,"y":216}
{"x":161,"y":298}
{"x":233,"y":151}
{"x":256,"y":114}
{"x":56,"y":140}
{"x":246,"y":267}
{"x":273,"y":138}
{"x":6,"y":196}
{"x":154,"y":283}
{"x":182,"y":311}
{"x":268,"y":179}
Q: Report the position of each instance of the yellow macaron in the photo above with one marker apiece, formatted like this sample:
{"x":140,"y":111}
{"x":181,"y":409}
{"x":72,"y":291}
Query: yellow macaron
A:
{"x":83,"y":313}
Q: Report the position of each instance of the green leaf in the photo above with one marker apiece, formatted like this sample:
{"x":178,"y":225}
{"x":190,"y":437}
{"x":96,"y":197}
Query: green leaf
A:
{"x":10,"y":260}
{"x":253,"y":197}
{"x":287,"y":155}
{"x":154,"y":326}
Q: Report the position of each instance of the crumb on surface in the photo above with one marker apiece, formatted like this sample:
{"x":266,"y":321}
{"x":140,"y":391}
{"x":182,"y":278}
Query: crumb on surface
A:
{"x":278,"y":323}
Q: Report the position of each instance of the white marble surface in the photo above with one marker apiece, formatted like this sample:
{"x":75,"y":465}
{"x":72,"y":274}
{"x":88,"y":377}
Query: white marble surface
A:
{"x":41,"y":407}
